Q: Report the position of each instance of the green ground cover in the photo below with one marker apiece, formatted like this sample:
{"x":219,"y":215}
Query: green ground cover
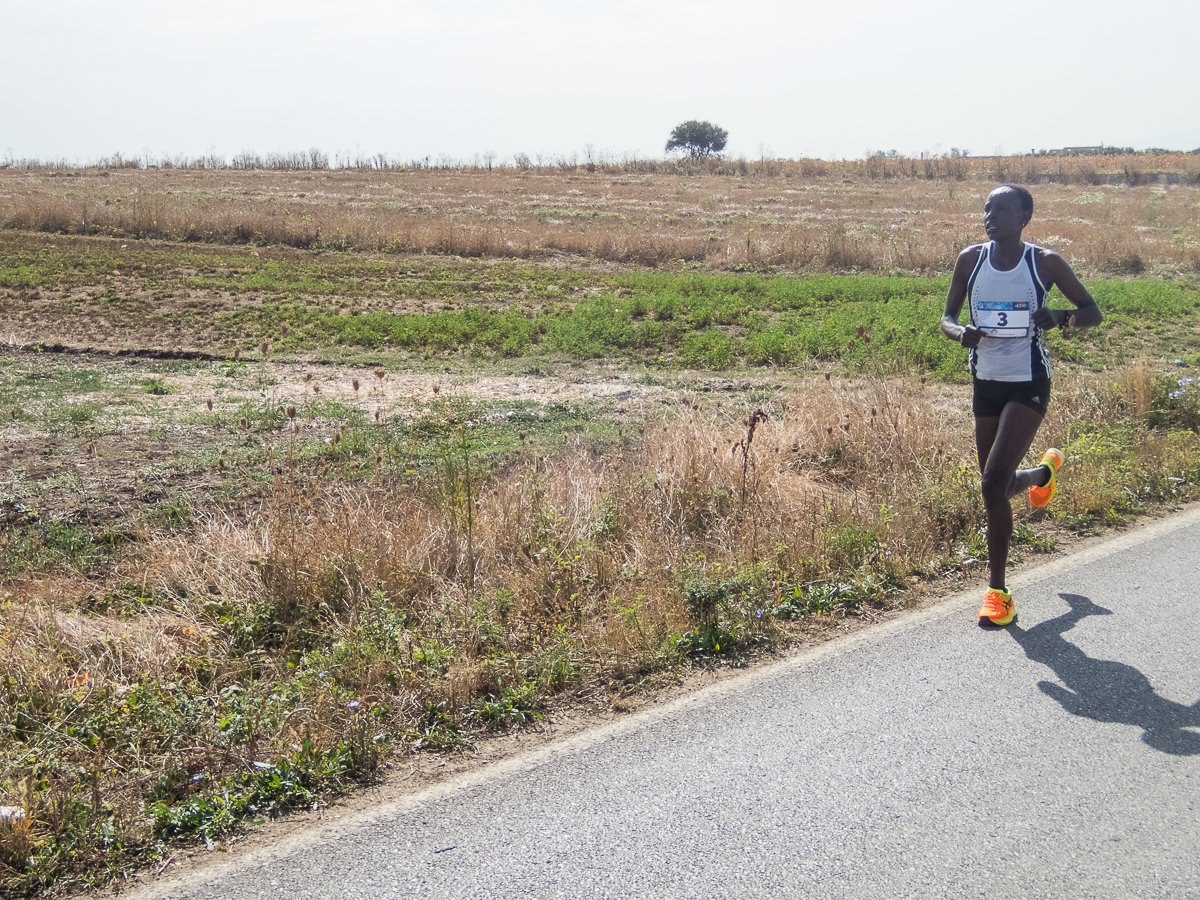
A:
{"x":227,"y":299}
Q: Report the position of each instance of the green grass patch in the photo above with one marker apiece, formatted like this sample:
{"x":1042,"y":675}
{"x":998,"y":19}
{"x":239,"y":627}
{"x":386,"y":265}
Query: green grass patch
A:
{"x":304,"y":301}
{"x":867,"y":325}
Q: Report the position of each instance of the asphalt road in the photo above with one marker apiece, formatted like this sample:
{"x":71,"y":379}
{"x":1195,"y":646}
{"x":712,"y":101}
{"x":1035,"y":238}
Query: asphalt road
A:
{"x":927,"y":757}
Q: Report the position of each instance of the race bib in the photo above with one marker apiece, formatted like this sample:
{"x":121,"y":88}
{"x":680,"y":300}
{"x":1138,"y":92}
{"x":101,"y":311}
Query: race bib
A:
{"x":1004,"y":319}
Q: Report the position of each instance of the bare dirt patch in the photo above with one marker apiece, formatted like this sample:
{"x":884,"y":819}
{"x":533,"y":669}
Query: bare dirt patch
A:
{"x":136,"y":450}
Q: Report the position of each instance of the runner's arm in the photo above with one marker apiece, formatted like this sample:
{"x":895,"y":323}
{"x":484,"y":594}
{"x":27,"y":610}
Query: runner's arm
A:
{"x":967,"y":335}
{"x":1055,"y":272}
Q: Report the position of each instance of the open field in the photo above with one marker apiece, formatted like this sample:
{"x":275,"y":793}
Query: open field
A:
{"x":278,"y":512}
{"x":1106,"y":215}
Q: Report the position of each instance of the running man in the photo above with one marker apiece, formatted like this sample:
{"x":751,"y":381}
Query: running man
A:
{"x":1006,"y":282}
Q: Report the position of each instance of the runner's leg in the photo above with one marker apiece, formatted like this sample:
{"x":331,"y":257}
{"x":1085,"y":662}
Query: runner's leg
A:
{"x":1002,"y":443}
{"x":985,"y":436}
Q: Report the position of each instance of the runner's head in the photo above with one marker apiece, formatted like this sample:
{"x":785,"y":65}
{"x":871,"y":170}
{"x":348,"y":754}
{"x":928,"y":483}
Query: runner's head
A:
{"x":1007,"y":211}
{"x":1025,"y":197}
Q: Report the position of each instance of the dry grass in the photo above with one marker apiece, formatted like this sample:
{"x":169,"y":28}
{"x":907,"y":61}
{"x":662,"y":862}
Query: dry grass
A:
{"x":878,"y":215}
{"x":566,"y":532}
{"x":413,"y":600}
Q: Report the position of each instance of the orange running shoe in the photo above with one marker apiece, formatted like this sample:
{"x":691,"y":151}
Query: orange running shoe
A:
{"x":998,"y":607}
{"x":1052,"y":459}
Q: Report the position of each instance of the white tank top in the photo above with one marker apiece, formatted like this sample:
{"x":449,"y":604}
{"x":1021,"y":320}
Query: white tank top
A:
{"x":1003,"y":303}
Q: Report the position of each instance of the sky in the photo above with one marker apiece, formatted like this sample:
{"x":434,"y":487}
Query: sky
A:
{"x":831,"y":79}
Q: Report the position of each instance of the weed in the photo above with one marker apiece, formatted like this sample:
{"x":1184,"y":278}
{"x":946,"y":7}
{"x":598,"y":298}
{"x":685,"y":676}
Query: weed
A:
{"x":506,"y":707}
{"x":174,"y":514}
{"x":436,"y":731}
{"x":705,"y":598}
{"x":849,"y":546}
{"x":834,"y":598}
{"x":554,"y":666}
{"x":705,"y":641}
{"x":1176,"y":403}
{"x":157,"y":387}
{"x":44,"y":544}
{"x":1023,"y":536}
{"x":72,"y":416}
{"x":267,"y":790}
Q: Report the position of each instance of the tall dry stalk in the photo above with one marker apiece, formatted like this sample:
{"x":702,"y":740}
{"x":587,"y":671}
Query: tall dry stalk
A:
{"x":808,"y":215}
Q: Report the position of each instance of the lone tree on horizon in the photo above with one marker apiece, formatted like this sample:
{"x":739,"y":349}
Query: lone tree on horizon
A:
{"x":698,"y":139}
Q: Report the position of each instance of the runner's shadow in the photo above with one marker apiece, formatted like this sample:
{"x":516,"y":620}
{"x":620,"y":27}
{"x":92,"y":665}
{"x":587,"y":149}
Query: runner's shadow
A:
{"x":1105,"y":690}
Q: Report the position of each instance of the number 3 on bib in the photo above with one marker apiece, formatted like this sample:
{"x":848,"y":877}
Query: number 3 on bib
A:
{"x":1002,"y":319}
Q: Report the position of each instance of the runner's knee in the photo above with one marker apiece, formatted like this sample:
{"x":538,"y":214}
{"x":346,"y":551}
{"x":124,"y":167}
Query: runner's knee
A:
{"x":997,"y":486}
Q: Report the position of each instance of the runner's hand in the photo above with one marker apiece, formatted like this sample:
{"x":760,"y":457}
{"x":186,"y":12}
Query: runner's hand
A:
{"x":971,"y":336}
{"x":1047,"y":318}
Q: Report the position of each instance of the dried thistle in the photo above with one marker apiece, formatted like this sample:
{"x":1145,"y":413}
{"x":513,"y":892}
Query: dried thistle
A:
{"x":291,"y":411}
{"x":355,"y":385}
{"x":208,"y":403}
{"x":265,"y":346}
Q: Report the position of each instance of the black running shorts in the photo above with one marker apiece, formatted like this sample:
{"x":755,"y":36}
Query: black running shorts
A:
{"x":992,"y":396}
